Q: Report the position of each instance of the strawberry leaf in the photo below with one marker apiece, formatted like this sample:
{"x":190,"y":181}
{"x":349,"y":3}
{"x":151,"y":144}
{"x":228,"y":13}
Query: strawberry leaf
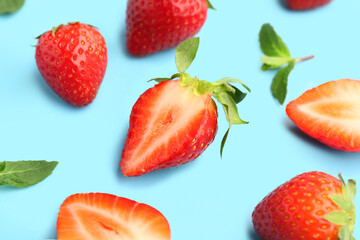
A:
{"x":231,"y":113}
{"x":345,"y":217}
{"x":210,"y":5}
{"x":233,"y":80}
{"x":54,"y":29}
{"x":159,"y":80}
{"x":223,"y":141}
{"x":238,"y":96}
{"x":345,"y":233}
{"x":339,"y":201}
{"x":271,"y":44}
{"x":10,"y":6}
{"x":185,"y":53}
{"x":337,"y":217}
{"x":25,"y":173}
{"x":280,"y":81}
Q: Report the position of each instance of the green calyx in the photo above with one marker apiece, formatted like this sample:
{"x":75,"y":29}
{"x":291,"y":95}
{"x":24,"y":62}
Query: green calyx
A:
{"x":55,"y":28}
{"x":346,"y":216}
{"x":224,"y":92}
{"x":210,"y":5}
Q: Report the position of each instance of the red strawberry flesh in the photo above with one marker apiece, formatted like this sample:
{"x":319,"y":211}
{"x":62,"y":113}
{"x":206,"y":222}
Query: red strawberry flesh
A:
{"x":100,"y":216}
{"x":169,"y":126}
{"x":330,"y":113}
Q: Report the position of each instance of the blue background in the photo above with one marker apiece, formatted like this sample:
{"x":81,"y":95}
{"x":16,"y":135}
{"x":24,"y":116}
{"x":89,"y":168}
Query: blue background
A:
{"x":210,"y":198}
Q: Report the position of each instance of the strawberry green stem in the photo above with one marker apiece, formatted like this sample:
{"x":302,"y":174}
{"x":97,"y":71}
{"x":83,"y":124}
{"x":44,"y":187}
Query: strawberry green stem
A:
{"x":346,"y":216}
{"x":210,"y":5}
{"x":304,"y":58}
{"x":224,"y":92}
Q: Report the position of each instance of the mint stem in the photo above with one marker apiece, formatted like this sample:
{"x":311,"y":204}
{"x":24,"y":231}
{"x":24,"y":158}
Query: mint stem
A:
{"x":304,"y":58}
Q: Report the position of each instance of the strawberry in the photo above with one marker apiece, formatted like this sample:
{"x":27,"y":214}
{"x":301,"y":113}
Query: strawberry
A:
{"x":100,"y":216}
{"x":330,"y":113}
{"x":173,"y":122}
{"x":313,"y":205}
{"x":72,"y":59}
{"x":305,"y":4}
{"x":153,"y":26}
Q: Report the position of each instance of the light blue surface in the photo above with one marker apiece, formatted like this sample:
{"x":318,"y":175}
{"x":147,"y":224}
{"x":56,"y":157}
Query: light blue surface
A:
{"x":210,"y":198}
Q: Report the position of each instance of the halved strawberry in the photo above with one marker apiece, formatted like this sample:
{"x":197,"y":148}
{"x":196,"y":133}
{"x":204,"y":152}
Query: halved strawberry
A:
{"x":174,"y":122}
{"x":330,"y":113}
{"x":169,"y":126}
{"x":100,"y":216}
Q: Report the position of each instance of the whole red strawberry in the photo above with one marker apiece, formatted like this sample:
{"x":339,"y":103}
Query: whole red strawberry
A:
{"x":173,"y":122}
{"x":153,"y":25}
{"x":72,"y":59}
{"x":313,"y":205}
{"x":305,"y":4}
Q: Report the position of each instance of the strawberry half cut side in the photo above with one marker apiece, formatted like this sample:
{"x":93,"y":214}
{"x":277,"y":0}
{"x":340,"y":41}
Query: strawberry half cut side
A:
{"x":174,"y":122}
{"x":100,"y":216}
{"x":330,"y":113}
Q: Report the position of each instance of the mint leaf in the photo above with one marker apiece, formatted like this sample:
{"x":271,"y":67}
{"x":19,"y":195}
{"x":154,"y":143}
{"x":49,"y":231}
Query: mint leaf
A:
{"x":210,"y":5}
{"x":10,"y":6}
{"x":274,"y":62}
{"x":276,"y":55}
{"x":271,"y":44}
{"x":25,"y":173}
{"x":185,"y":53}
{"x":280,"y":82}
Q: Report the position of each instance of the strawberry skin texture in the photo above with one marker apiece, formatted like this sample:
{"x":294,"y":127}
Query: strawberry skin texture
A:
{"x":100,"y":216}
{"x":156,"y":25}
{"x":305,"y":4}
{"x":330,"y":113}
{"x":169,"y":126}
{"x":296,"y":208}
{"x":73,"y":62}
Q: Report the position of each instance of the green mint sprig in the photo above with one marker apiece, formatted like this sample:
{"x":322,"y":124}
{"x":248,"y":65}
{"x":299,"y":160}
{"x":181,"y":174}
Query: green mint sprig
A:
{"x":10,"y":6}
{"x":277,"y":54}
{"x":25,"y":173}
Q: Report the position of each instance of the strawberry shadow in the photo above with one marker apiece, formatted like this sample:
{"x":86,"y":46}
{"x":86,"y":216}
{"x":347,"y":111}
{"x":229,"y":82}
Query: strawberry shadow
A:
{"x":149,"y":179}
{"x":309,"y":140}
{"x":50,"y":94}
{"x":312,"y":141}
{"x":52,"y":233}
{"x":122,"y":40}
{"x":252,"y":234}
{"x":283,"y":4}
